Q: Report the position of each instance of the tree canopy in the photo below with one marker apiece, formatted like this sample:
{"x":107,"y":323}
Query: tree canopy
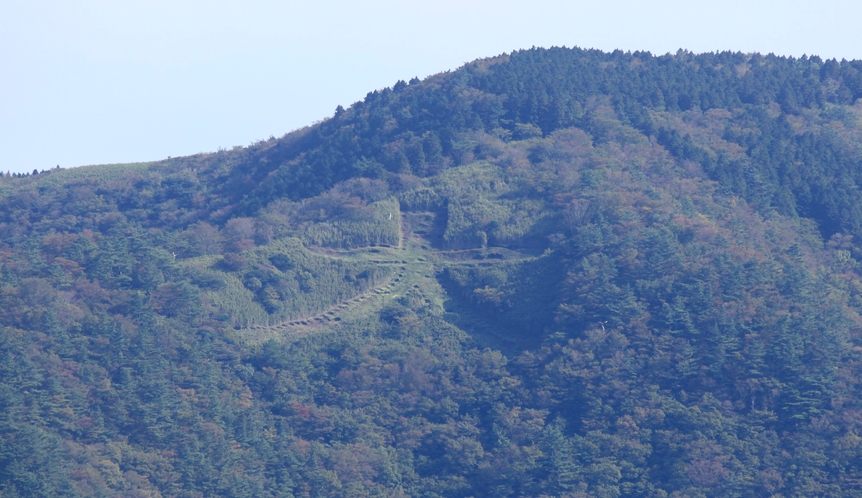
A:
{"x":555,"y":272}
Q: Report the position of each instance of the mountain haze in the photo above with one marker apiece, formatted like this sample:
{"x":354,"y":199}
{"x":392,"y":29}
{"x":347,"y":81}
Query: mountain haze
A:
{"x":555,"y":272}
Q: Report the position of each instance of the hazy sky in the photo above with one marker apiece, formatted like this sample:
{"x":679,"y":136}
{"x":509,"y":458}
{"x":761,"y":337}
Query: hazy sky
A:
{"x":102,"y":81}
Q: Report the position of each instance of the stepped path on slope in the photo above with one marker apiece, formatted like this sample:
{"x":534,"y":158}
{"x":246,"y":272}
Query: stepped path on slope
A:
{"x":416,"y":264}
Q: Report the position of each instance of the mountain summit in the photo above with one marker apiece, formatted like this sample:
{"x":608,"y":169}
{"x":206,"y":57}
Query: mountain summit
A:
{"x":557,"y":272}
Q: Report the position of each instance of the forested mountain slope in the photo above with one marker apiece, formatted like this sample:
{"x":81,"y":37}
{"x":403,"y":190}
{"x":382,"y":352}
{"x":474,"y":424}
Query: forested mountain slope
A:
{"x":556,"y":272}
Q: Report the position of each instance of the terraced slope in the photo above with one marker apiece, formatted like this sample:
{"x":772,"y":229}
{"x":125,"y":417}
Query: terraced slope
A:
{"x":415,"y":267}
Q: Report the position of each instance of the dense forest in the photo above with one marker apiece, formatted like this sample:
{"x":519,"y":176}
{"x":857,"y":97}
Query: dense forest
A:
{"x":555,"y":272}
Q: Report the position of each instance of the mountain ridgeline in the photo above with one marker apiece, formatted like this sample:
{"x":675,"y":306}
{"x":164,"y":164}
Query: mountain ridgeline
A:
{"x":557,"y":272}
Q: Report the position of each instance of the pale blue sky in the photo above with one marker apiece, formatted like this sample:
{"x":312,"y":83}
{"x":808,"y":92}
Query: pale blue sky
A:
{"x":103,"y":81}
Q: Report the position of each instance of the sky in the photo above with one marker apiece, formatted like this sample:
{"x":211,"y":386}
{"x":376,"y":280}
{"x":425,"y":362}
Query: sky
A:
{"x":106,"y":81}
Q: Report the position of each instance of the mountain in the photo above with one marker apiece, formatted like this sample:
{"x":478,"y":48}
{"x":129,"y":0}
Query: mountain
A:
{"x":556,"y":272}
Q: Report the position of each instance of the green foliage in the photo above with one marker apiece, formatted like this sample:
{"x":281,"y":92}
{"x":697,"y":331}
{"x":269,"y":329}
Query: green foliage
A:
{"x":283,"y":281}
{"x":552,"y":273}
{"x":374,"y":225}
